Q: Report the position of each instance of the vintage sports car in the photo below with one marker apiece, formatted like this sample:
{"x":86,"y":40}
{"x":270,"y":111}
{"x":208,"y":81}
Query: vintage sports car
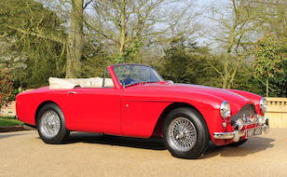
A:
{"x":133,"y":100}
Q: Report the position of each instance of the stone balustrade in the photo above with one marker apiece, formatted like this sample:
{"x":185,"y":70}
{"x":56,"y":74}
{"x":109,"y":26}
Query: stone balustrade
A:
{"x":277,"y":112}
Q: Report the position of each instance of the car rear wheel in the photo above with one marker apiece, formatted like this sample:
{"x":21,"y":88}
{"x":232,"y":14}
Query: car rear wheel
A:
{"x":185,"y":133}
{"x":51,"y":124}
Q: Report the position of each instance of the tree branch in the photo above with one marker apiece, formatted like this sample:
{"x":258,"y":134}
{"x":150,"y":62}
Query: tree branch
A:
{"x":87,"y":3}
{"x":39,"y":35}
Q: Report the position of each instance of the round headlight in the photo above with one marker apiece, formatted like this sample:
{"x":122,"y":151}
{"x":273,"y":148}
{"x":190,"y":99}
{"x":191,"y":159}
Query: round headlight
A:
{"x":263,"y":105}
{"x":225,"y":110}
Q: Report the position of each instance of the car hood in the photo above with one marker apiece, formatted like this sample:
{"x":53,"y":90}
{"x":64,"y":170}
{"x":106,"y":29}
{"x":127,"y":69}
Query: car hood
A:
{"x":206,"y":94}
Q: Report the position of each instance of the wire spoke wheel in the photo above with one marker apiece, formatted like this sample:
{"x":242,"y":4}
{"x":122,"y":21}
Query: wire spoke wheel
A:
{"x":50,"y":124}
{"x":182,"y":134}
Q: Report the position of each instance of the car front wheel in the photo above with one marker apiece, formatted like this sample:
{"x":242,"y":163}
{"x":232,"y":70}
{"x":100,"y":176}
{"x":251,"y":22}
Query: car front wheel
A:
{"x":185,"y":133}
{"x":51,"y":124}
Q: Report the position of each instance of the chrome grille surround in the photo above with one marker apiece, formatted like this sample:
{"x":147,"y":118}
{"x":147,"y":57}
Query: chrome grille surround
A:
{"x":247,"y":114}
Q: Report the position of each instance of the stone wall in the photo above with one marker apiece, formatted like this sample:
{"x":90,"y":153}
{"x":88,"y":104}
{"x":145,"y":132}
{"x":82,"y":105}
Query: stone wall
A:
{"x":8,"y":110}
{"x":277,"y":111}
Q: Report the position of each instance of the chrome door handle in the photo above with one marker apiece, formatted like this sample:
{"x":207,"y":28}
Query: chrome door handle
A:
{"x":72,"y":92}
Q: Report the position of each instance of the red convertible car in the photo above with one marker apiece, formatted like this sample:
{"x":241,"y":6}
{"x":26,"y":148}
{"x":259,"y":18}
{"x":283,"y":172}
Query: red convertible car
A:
{"x":133,"y":100}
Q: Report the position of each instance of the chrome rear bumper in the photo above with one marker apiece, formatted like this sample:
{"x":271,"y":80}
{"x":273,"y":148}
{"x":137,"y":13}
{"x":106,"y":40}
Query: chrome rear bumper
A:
{"x":237,"y":134}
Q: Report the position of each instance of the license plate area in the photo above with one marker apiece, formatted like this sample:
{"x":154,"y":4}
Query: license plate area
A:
{"x":254,"y":131}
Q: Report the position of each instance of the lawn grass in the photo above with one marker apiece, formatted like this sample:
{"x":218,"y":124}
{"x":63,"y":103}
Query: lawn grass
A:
{"x":9,"y":121}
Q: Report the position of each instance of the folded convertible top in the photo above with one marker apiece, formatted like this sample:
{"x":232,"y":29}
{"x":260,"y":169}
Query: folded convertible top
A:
{"x":97,"y":82}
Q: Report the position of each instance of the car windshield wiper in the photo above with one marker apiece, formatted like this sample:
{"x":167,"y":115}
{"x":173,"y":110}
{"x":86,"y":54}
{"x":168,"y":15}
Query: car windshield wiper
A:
{"x":137,"y":83}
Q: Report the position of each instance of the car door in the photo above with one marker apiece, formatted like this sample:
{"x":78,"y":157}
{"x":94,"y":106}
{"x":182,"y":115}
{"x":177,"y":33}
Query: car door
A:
{"x":95,"y":109}
{"x":141,"y":109}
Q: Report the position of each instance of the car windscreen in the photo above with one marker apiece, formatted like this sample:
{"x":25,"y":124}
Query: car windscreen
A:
{"x":135,"y":74}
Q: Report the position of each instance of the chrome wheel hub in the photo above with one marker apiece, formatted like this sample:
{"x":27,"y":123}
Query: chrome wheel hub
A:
{"x":182,"y":134}
{"x":50,"y":124}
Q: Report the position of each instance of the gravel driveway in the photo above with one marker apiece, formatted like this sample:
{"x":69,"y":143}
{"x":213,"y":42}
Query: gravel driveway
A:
{"x":24,"y":154}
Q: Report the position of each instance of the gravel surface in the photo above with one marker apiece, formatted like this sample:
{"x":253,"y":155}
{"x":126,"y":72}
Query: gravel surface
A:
{"x":84,"y":155}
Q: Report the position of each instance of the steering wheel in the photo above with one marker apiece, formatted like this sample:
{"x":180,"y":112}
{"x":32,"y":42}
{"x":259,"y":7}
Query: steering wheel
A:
{"x":127,"y":81}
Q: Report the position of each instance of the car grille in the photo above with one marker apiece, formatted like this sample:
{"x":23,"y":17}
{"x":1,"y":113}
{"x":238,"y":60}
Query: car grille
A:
{"x":247,"y":114}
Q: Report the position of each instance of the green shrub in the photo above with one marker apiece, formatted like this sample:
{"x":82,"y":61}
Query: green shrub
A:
{"x":6,"y":87}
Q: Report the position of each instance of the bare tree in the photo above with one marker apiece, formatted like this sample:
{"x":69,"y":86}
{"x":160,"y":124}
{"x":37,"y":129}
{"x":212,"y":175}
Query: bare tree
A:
{"x":236,"y":37}
{"x":127,"y":25}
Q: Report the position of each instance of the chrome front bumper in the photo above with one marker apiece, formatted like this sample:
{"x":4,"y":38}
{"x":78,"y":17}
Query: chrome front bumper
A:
{"x":237,"y":134}
{"x":228,"y":135}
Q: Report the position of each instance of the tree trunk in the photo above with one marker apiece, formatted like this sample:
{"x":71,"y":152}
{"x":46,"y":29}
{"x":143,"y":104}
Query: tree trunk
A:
{"x":75,"y":40}
{"x":225,"y":74}
{"x":123,"y":29}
